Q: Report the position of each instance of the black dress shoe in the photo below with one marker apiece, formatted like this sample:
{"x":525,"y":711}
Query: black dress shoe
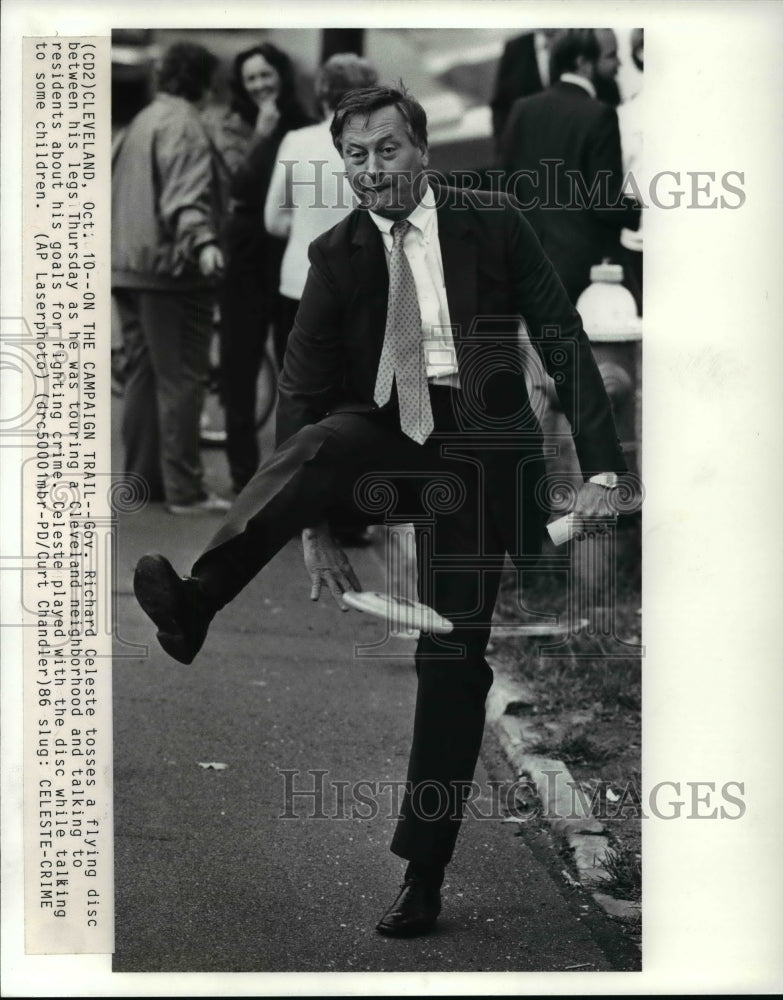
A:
{"x":175,"y":604}
{"x":413,"y":912}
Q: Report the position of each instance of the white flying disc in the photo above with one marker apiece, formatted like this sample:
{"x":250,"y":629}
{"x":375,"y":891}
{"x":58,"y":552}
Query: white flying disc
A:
{"x":398,"y":611}
{"x":542,"y":630}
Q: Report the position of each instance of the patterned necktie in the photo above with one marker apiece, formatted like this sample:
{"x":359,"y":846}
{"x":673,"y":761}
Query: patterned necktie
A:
{"x":402,"y":357}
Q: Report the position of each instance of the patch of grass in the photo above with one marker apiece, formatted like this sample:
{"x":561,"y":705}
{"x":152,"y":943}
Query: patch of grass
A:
{"x":585,"y":700}
{"x":585,"y":671}
{"x":606,"y":686}
{"x":574,"y":747}
{"x":623,"y":864}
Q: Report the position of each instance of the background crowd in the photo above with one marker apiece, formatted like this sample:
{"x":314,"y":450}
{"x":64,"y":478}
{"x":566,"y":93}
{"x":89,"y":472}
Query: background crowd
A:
{"x":213,"y":211}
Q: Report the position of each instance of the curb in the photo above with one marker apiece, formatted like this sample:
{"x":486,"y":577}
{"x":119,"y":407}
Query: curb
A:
{"x":564,"y":813}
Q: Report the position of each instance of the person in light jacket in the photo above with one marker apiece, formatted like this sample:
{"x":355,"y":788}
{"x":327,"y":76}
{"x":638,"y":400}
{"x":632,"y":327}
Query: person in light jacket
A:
{"x":165,"y":261}
{"x":309,"y":192}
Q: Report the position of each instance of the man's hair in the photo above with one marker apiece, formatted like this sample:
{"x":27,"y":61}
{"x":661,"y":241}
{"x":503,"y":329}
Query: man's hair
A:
{"x":369,"y":99}
{"x":568,"y":45}
{"x":186,"y":71}
{"x":341,"y":73}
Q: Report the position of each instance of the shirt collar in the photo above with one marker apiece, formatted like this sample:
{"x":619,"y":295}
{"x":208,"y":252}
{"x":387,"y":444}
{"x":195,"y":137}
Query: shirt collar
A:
{"x":580,"y":81}
{"x":422,"y":217}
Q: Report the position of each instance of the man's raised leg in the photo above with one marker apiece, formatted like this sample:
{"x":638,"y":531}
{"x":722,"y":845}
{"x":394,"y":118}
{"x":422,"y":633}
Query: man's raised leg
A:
{"x":310,"y":476}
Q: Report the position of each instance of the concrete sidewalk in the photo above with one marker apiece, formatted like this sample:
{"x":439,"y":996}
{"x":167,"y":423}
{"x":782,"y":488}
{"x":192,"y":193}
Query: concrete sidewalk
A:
{"x":210,"y":877}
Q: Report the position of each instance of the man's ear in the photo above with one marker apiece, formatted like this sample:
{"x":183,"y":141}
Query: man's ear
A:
{"x":425,"y":156}
{"x":585,"y":67}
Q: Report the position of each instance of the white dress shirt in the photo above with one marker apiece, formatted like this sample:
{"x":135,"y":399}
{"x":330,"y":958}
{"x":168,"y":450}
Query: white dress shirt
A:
{"x":422,"y":248}
{"x":541,"y":43}
{"x":580,"y":81}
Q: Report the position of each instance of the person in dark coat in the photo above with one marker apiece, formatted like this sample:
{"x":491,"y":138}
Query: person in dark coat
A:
{"x":264,"y":108}
{"x":525,"y":68}
{"x":563,"y":162}
{"x":403,"y":396}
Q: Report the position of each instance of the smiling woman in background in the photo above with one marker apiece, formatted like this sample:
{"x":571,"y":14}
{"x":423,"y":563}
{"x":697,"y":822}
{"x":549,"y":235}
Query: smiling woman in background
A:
{"x":264,"y":107}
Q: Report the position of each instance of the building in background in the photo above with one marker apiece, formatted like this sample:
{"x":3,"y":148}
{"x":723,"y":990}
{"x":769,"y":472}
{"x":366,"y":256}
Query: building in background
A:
{"x":450,"y":70}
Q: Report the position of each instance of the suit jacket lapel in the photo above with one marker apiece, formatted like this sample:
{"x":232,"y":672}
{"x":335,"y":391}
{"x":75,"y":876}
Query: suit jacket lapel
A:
{"x":458,"y":250}
{"x":371,"y":274}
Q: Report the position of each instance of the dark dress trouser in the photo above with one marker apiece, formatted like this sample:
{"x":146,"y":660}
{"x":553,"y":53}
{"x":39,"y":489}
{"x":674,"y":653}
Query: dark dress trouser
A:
{"x":353,"y":464}
{"x":249,"y":304}
{"x":166,"y":337}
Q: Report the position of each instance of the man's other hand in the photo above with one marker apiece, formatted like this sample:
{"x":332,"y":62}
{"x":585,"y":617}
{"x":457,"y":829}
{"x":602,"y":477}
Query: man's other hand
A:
{"x":593,"y":504}
{"x":327,"y":563}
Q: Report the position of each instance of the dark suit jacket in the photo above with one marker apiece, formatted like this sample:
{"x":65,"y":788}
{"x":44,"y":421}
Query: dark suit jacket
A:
{"x":518,"y":76}
{"x":495,"y":272}
{"x":565,"y":124}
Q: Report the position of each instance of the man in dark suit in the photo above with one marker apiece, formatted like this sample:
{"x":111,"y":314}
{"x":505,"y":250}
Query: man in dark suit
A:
{"x":526,"y":68}
{"x":523,"y":69}
{"x":563,"y":162}
{"x":403,"y":396}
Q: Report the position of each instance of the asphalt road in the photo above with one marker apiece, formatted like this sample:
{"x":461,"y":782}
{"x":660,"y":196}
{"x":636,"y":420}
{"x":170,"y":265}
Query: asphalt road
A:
{"x":209,"y":876}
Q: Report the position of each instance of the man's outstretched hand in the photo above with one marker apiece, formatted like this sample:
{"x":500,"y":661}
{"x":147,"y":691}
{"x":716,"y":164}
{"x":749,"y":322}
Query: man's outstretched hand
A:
{"x":327,"y":563}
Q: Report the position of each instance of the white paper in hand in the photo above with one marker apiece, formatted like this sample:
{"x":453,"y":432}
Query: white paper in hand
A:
{"x":399,"y":612}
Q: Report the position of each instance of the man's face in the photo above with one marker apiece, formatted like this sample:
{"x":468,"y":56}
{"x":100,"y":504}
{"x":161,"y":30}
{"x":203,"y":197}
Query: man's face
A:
{"x":384,"y":166}
{"x":608,"y":62}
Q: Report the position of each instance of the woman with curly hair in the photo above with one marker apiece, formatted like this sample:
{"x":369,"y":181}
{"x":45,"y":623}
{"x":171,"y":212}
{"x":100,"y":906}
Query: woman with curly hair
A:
{"x":263,"y":109}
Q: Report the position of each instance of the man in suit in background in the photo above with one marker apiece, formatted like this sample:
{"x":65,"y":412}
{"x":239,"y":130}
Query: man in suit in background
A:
{"x":524,"y":69}
{"x":403,"y":394}
{"x":606,"y":68}
{"x":563,"y":162}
